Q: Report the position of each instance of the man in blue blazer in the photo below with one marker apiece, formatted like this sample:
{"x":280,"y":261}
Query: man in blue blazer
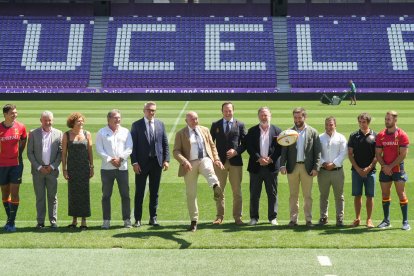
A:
{"x":264,"y":152}
{"x":150,"y":155}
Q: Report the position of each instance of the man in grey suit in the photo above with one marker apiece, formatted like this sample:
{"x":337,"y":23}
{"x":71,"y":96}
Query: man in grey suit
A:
{"x":44,"y":151}
{"x":301,"y":162}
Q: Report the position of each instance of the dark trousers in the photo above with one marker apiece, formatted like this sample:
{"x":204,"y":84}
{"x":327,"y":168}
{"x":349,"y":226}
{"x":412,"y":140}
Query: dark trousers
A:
{"x":153,"y":172}
{"x":270,"y":181}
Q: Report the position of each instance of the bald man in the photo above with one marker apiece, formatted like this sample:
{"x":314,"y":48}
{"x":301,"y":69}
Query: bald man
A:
{"x":196,"y":152}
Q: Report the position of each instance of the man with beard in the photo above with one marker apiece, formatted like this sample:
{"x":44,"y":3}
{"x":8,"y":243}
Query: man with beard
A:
{"x":263,"y":166}
{"x":301,"y":162}
{"x":391,"y":150}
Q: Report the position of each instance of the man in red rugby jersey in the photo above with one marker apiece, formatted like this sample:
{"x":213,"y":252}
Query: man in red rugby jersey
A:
{"x":391,"y":150}
{"x":12,"y":143}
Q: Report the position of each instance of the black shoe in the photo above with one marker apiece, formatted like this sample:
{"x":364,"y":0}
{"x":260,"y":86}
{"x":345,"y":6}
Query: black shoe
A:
{"x":193,"y":226}
{"x":309,"y":224}
{"x":72,"y":226}
{"x":40,"y":226}
{"x":323,"y":221}
{"x":340,"y":223}
{"x":137,"y":223}
{"x":153,"y":222}
{"x":83,"y":227}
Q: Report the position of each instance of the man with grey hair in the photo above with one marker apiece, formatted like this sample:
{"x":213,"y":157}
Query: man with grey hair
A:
{"x":44,"y":151}
{"x":150,"y":155}
{"x":114,"y":145}
{"x":264,"y":152}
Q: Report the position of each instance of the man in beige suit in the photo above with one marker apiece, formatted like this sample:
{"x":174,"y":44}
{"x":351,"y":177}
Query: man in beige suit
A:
{"x":196,"y":152}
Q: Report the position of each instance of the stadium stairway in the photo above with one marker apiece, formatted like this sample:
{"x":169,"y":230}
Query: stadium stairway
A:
{"x":281,"y":53}
{"x":98,"y":51}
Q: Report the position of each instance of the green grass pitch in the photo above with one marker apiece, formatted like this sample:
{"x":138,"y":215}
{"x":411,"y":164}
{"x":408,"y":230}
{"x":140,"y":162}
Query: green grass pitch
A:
{"x":172,"y":212}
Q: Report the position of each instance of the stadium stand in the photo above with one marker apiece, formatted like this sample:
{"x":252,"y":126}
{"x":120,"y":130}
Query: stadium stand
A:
{"x":189,"y":52}
{"x":53,"y":52}
{"x":328,"y":51}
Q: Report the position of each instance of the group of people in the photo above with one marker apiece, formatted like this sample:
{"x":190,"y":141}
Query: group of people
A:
{"x":215,"y":153}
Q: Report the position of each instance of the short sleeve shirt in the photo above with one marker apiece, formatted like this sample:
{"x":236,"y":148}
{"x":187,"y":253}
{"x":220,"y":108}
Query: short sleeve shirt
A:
{"x":390,"y":144}
{"x":9,"y":143}
{"x":363,"y":146}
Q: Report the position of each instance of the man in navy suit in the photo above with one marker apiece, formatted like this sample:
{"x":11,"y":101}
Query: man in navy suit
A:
{"x":150,"y":155}
{"x":229,"y":134}
{"x":264,"y":151}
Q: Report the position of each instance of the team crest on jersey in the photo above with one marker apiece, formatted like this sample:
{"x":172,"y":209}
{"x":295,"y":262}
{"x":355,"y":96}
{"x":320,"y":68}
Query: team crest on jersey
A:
{"x":16,"y":131}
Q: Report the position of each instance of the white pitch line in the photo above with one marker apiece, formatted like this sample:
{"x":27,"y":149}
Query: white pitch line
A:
{"x":324,"y":261}
{"x":176,"y":122}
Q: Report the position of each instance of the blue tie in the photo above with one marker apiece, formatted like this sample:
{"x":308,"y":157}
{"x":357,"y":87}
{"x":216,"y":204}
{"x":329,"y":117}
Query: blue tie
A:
{"x":227,"y":127}
{"x":151,"y":139}
{"x":199,"y":145}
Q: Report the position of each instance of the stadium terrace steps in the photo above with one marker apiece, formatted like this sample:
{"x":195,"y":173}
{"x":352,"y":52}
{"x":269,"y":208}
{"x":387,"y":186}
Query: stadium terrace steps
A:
{"x":281,"y":52}
{"x":98,"y":51}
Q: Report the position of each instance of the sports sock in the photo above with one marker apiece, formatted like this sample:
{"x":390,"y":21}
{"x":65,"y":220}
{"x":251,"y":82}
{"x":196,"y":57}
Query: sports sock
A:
{"x":13,"y":211}
{"x":386,"y":202}
{"x":404,"y":209}
{"x":6,"y":204}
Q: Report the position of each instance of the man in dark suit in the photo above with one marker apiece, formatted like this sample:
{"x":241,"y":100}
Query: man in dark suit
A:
{"x":301,"y":162}
{"x":229,"y":134}
{"x":44,"y":151}
{"x":150,"y":155}
{"x":263,"y":165}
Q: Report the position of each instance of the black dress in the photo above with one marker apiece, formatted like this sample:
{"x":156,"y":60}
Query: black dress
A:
{"x":78,"y":183}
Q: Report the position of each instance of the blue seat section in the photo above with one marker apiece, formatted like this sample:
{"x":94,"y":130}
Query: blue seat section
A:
{"x":45,"y":52}
{"x":202,"y":52}
{"x":375,"y":51}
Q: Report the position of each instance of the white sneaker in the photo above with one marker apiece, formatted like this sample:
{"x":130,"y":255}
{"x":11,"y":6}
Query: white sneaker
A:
{"x":127,"y":223}
{"x":253,"y":221}
{"x":274,"y":222}
{"x":106,"y":224}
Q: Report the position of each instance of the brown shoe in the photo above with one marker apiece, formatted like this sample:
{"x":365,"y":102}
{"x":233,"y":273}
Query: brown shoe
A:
{"x":370,"y":224}
{"x":193,"y":226}
{"x":218,"y":192}
{"x":239,"y":222}
{"x":218,"y":220}
{"x":292,"y":224}
{"x":356,"y":223}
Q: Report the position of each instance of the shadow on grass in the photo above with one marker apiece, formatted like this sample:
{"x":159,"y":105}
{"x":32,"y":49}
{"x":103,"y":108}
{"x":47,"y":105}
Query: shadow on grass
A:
{"x":48,"y":230}
{"x":170,"y":232}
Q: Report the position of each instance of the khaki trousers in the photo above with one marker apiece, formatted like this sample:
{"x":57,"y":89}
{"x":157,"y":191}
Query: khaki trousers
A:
{"x":234,"y":174}
{"x":300,"y":176}
{"x":205,"y":168}
{"x":326,"y":179}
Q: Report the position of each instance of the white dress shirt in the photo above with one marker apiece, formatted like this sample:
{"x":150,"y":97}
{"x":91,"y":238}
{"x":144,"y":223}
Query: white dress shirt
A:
{"x":334,"y":148}
{"x":264,"y":142}
{"x":116,"y":144}
{"x":46,"y":148}
{"x":300,"y":144}
{"x":194,"y":145}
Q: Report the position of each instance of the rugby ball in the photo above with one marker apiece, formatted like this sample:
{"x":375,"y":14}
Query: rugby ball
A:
{"x":287,"y":137}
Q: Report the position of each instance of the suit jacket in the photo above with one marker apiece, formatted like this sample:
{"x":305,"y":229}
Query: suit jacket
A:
{"x":312,"y":152}
{"x":182,"y":147}
{"x":253,"y":148}
{"x":35,"y":149}
{"x":233,"y":140}
{"x":141,"y":144}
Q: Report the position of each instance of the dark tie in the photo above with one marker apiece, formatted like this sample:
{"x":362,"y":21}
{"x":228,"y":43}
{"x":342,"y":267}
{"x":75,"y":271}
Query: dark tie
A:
{"x":151,"y":138}
{"x":227,"y":127}
{"x":199,"y":145}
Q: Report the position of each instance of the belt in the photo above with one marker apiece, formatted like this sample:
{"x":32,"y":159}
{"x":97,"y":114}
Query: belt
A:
{"x":335,"y":169}
{"x":301,"y":162}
